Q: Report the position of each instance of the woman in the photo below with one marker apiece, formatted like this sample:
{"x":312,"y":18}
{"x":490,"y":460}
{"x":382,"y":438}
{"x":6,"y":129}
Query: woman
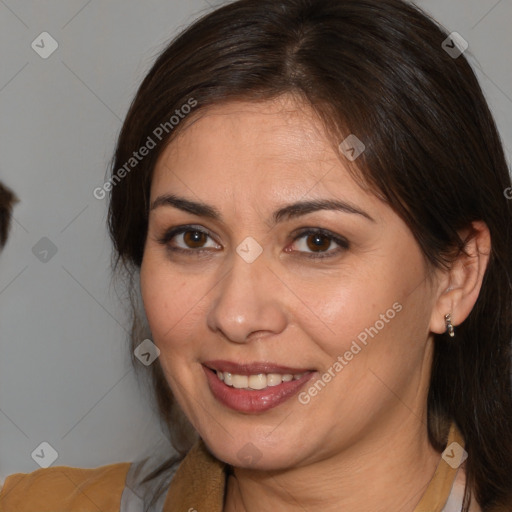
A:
{"x":7,"y":200}
{"x":310,"y":194}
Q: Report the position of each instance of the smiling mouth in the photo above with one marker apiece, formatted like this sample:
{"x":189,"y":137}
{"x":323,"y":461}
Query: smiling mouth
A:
{"x":257,"y":381}
{"x":254,"y":388}
{"x":254,"y":376}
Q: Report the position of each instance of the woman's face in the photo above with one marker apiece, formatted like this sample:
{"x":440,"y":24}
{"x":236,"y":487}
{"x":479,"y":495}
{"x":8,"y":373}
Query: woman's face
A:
{"x":336,"y":297}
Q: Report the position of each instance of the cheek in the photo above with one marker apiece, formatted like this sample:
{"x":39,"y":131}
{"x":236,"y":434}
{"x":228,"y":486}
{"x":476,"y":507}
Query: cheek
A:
{"x":160,"y":292}
{"x":375,"y":320}
{"x":348,"y":307}
{"x":174,"y":304}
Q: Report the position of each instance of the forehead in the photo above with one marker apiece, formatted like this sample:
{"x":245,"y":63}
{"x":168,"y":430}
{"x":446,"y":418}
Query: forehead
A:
{"x":278,"y":146}
{"x":283,"y":127}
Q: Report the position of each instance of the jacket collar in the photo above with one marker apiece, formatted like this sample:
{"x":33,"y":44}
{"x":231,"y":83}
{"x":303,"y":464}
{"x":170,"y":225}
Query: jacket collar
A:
{"x":200,"y":481}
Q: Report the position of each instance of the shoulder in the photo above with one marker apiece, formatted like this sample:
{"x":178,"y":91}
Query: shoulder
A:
{"x":64,"y":488}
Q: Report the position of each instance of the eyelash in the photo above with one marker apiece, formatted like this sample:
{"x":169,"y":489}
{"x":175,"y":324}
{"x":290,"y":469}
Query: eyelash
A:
{"x":171,"y":233}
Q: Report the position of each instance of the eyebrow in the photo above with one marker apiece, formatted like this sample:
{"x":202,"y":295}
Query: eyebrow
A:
{"x":287,"y":212}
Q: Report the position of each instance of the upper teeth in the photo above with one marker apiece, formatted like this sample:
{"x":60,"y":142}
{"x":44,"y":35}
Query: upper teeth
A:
{"x":259,"y":381}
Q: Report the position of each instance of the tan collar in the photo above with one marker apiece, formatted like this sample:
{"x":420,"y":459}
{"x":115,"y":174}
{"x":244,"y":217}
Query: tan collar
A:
{"x":442,"y":482}
{"x":199,"y":482}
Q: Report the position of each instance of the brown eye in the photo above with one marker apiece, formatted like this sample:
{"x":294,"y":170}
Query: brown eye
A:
{"x":314,"y":243}
{"x":187,"y":239}
{"x":194,"y":239}
{"x":318,"y":242}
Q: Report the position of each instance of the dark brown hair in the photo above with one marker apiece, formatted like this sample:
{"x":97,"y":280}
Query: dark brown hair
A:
{"x":377,"y":69}
{"x":7,"y":200}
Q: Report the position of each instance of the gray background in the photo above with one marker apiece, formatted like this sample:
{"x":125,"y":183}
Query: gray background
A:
{"x":65,"y":374}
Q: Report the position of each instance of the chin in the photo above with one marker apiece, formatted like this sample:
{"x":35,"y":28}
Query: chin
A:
{"x":254,"y":454}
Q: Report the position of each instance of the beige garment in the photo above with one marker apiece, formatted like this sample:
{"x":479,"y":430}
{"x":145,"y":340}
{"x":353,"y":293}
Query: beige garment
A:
{"x":198,"y":485}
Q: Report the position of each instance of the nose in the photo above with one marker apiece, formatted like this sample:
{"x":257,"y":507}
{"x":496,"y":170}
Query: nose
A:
{"x":247,"y":302}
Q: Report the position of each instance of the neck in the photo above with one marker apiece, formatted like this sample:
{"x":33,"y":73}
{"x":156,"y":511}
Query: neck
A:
{"x":389,"y":469}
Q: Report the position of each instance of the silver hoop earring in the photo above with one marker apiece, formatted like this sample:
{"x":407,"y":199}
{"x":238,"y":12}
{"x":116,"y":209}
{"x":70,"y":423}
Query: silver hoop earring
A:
{"x":449,"y":326}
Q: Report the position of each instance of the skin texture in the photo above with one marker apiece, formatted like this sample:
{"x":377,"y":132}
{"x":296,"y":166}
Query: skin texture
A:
{"x":365,"y":432}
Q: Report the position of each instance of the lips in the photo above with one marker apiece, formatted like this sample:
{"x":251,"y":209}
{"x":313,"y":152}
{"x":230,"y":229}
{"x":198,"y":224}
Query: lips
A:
{"x":252,"y":401}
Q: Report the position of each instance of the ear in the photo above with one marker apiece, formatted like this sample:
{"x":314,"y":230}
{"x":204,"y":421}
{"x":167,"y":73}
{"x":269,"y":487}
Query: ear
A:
{"x":459,"y":287}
